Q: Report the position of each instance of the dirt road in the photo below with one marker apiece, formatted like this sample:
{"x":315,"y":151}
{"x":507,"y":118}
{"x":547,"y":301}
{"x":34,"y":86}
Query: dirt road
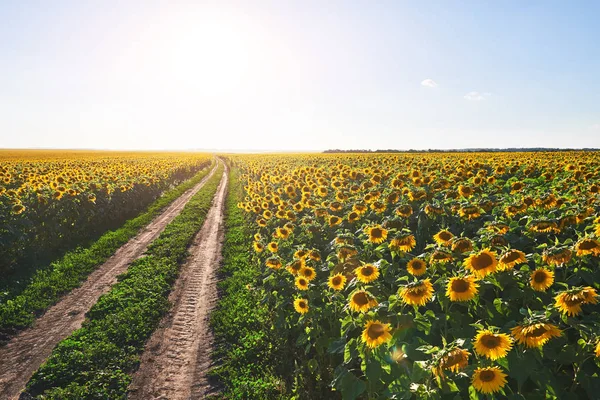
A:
{"x":24,"y":354}
{"x":177,"y":356}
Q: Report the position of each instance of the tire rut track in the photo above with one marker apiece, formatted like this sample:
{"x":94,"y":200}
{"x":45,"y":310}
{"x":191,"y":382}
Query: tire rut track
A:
{"x":178,"y":355}
{"x":24,"y":353}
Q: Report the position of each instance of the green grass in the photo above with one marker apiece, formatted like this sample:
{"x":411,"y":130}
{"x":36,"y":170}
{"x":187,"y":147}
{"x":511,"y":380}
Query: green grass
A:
{"x":248,"y":349}
{"x":95,"y":361}
{"x":48,"y":285}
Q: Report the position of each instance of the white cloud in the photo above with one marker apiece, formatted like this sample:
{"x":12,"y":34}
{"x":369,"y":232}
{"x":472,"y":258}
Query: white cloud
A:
{"x":429,"y":83}
{"x":477,"y":96}
{"x":595,"y":127}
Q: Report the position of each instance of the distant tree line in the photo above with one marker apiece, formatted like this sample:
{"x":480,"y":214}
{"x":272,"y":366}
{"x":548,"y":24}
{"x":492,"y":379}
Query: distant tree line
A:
{"x":474,"y":150}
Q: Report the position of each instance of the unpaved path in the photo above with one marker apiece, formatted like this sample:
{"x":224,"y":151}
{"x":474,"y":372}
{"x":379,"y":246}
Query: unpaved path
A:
{"x":177,"y":356}
{"x":24,"y":354}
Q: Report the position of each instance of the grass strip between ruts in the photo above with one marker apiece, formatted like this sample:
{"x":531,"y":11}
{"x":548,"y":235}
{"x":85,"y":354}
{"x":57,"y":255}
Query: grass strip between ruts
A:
{"x":64,"y":275}
{"x":94,"y":362}
{"x":247,"y":348}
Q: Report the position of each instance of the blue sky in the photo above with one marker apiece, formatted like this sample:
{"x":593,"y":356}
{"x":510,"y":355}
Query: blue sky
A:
{"x":303,"y":75}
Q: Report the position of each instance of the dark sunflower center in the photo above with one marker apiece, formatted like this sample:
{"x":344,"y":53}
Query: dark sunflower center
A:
{"x":482,"y":261}
{"x":445,"y":235}
{"x":302,"y":304}
{"x":367,"y":271}
{"x":453,"y":358}
{"x":375,"y":331}
{"x":337,"y":281}
{"x":487,"y":376}
{"x":376,"y":233}
{"x":302,"y":282}
{"x":573,"y":301}
{"x":490,"y":341}
{"x":460,"y":286}
{"x":587,"y":245}
{"x":537,"y":332}
{"x":510,"y":257}
{"x":418,"y":291}
{"x":417,"y":265}
{"x":361,"y":299}
{"x":540,"y":277}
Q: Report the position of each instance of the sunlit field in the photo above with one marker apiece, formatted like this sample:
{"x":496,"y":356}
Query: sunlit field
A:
{"x":430,"y":275}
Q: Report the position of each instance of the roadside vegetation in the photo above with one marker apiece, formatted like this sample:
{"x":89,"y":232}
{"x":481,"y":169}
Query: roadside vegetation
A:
{"x":246,"y":348}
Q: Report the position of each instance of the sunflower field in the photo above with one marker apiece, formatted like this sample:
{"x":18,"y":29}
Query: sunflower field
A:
{"x":52,"y":201}
{"x":429,"y":276}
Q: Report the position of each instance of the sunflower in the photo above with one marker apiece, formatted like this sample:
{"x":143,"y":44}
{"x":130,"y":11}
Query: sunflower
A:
{"x":336,"y":282}
{"x":361,"y":301}
{"x":544,"y":227}
{"x":587,"y":246}
{"x":482,"y":263}
{"x":378,"y":207}
{"x":282,"y":233}
{"x":300,"y":254}
{"x":353,"y":216}
{"x":417,"y":293}
{"x":416,"y":266}
{"x":301,"y":283}
{"x":18,"y":209}
{"x":470,"y":212}
{"x":376,"y":333}
{"x":492,"y":345}
{"x":443,"y":237}
{"x":598,"y":349}
{"x":488,"y":380}
{"x":346,"y":251}
{"x":258,"y":247}
{"x":462,"y":288}
{"x":454,"y":360}
{"x":535,"y":334}
{"x":516,"y":186}
{"x":404,"y":211}
{"x":498,"y":227}
{"x":498,"y":241}
{"x":307,"y":272}
{"x":439,"y":256}
{"x":465,"y":191}
{"x":569,"y":302}
{"x":295,"y":267}
{"x":403,"y":243}
{"x":376,"y":234}
{"x":334,"y":220}
{"x":366,"y":273}
{"x":511,"y":258}
{"x":314,"y":255}
{"x":273,"y":262}
{"x":273,"y":247}
{"x":557,"y":256}
{"x":541,"y":279}
{"x":462,"y":245}
{"x":360,"y":208}
{"x":432,"y":210}
{"x":301,"y":306}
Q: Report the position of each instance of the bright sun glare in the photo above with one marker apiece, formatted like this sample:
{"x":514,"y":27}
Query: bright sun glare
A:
{"x":214,"y":56}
